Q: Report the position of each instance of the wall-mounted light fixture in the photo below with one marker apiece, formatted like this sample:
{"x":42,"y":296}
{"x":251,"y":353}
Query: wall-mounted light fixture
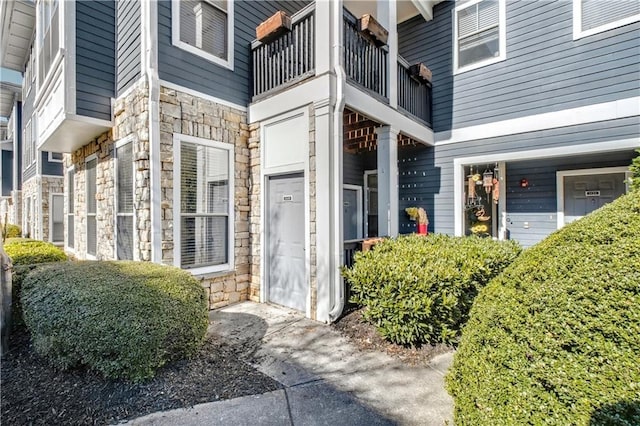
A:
{"x":524,"y":183}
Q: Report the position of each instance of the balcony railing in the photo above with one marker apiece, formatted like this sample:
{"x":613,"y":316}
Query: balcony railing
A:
{"x":414,"y":95}
{"x":364,"y":62}
{"x":287,"y":59}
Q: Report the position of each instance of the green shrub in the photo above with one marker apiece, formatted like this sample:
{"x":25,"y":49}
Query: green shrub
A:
{"x":124,"y":319}
{"x":11,"y":231}
{"x":419,"y":289}
{"x":555,"y":339}
{"x":26,"y":255}
{"x":29,"y":252}
{"x":635,"y":172}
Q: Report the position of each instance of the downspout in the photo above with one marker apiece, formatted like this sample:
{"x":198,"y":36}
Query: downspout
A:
{"x":151,"y":71}
{"x":338,"y":291}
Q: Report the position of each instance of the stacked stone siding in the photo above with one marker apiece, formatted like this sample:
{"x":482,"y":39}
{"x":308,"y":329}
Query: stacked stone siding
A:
{"x":31,"y":219}
{"x":184,"y":114}
{"x":49,"y":185}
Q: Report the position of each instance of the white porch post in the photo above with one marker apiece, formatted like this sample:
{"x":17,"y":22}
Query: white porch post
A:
{"x":387,"y":181}
{"x":387,"y":16}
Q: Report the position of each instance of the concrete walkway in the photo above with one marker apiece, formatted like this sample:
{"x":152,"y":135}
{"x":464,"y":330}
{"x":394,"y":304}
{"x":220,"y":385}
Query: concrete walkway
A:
{"x":326,"y":380}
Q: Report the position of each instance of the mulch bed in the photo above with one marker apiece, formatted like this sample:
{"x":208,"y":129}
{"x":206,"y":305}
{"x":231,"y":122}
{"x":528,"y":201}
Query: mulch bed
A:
{"x":366,"y":337}
{"x":34,"y":392}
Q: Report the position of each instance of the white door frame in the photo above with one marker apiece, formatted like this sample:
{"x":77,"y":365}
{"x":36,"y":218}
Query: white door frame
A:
{"x":561,"y":174}
{"x":365,"y":213}
{"x":359,"y":207}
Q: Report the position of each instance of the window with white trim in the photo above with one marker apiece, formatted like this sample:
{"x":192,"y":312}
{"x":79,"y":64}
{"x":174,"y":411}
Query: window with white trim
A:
{"x":594,"y":16}
{"x":124,"y":202}
{"x":479,"y":34}
{"x":71,"y":208}
{"x":205,"y":210}
{"x":56,"y":234}
{"x":55,"y":157}
{"x":48,"y":36}
{"x":91,"y":188}
{"x":204,"y":28}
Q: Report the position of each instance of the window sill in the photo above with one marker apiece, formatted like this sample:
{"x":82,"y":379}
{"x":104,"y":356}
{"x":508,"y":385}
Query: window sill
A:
{"x":227,"y":63}
{"x":578,"y":33}
{"x":477,"y":65}
{"x":207,"y":272}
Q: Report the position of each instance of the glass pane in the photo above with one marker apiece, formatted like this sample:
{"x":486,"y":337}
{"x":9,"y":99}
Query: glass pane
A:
{"x":488,"y":14}
{"x":478,"y":47}
{"x":204,"y":26}
{"x":70,"y":193}
{"x":204,"y":179}
{"x":124,"y":156}
{"x":467,"y":21}
{"x":125,"y":237}
{"x":57,"y":218}
{"x":91,"y":185}
{"x":596,"y":13}
{"x":70,"y":232}
{"x":91,"y":235}
{"x":204,"y":241}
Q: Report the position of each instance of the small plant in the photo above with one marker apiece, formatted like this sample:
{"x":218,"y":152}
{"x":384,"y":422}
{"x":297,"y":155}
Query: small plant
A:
{"x":418,"y":214}
{"x":10,"y":231}
{"x":418,"y":289}
{"x":555,"y":338}
{"x":634,"y":168}
{"x":123,"y":319}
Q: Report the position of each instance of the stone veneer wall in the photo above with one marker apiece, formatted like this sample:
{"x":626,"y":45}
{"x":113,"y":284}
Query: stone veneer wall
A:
{"x":182,"y":113}
{"x":49,"y":185}
{"x":256,"y":211}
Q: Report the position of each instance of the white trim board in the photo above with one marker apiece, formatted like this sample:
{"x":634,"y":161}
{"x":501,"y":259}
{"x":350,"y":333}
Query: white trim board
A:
{"x":613,"y":110}
{"x":561,"y":174}
{"x":193,"y":92}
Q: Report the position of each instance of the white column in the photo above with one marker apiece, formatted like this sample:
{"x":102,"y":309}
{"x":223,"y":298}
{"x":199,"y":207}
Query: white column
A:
{"x":387,"y":181}
{"x":387,"y":16}
{"x":323,"y":25}
{"x":323,"y":208}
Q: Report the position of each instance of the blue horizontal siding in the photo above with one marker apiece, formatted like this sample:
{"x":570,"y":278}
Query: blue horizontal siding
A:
{"x":95,"y":58}
{"x":128,"y":44}
{"x":545,"y":70}
{"x":194,"y":72}
{"x":50,"y":168}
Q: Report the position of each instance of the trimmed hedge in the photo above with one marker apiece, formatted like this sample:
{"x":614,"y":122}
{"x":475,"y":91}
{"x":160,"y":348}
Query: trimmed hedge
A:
{"x":23,"y":251}
{"x":11,"y":231}
{"x":419,"y":289}
{"x":634,"y":168}
{"x":123,"y":319}
{"x":555,"y":339}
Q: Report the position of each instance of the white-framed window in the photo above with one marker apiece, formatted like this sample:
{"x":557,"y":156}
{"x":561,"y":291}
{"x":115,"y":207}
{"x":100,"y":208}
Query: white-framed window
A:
{"x":91,"y":205}
{"x":203,"y":218}
{"x":71,"y":208}
{"x":124,"y":196}
{"x":29,"y":142}
{"x":29,"y":74}
{"x":595,"y":16}
{"x":48,"y":36}
{"x":55,"y":157}
{"x":56,"y":219}
{"x":204,"y":28}
{"x":480,"y":34}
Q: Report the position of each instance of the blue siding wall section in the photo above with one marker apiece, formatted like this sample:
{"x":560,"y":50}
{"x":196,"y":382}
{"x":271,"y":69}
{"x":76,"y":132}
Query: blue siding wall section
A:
{"x":426,"y":173}
{"x":128,"y":44}
{"x":194,"y":72}
{"x":7,"y":172}
{"x":545,"y":70}
{"x":50,"y":168}
{"x":537,"y":204}
{"x":18,"y":147}
{"x":354,"y":166}
{"x":95,"y":58}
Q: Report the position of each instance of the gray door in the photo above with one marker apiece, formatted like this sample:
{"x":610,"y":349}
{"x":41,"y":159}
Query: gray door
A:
{"x":584,"y":194}
{"x":350,"y":214}
{"x":285,"y":242}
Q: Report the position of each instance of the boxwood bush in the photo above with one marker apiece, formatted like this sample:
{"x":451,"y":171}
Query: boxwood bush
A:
{"x":418,"y":289}
{"x":11,"y":231}
{"x":26,"y":255}
{"x":555,"y":339}
{"x":123,"y":319}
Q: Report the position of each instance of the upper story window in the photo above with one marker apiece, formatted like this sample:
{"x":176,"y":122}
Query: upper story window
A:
{"x":594,"y":16}
{"x":204,"y":28}
{"x":29,"y":138}
{"x":203,"y":218}
{"x":48,"y":36}
{"x":479,"y":33}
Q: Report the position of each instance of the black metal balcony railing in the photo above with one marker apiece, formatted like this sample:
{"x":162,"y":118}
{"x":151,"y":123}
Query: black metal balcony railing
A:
{"x":287,"y":59}
{"x":414,"y":95}
{"x":364,"y":62}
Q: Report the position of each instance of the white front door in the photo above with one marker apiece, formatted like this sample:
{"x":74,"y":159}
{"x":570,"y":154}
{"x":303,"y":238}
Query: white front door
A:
{"x":286,"y":242}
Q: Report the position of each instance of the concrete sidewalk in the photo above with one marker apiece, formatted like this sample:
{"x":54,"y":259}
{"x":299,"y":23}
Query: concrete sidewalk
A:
{"x":326,"y":380}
